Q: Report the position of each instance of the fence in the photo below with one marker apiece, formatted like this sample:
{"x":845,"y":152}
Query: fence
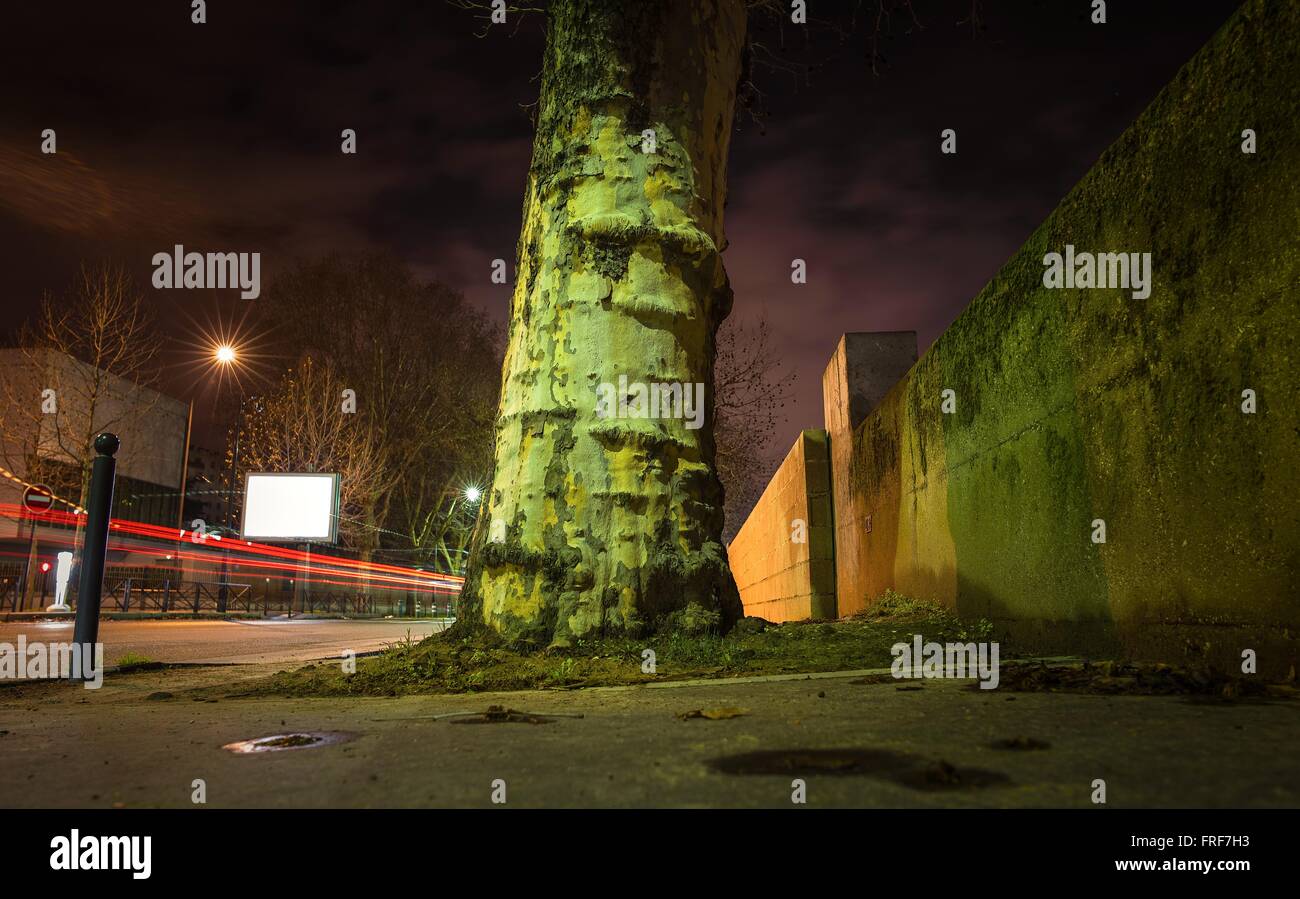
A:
{"x":145,"y":594}
{"x":135,"y":593}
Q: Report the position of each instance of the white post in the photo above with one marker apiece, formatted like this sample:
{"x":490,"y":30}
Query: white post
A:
{"x":61,"y":575}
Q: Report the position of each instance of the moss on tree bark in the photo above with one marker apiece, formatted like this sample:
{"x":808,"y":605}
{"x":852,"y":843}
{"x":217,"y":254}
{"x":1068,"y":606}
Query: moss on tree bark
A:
{"x":606,"y":525}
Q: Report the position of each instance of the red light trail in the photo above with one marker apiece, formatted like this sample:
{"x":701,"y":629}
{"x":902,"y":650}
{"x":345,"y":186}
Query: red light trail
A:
{"x":262,"y":558}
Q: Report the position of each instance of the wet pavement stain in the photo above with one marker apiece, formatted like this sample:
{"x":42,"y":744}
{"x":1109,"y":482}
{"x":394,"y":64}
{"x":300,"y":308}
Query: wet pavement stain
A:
{"x":908,"y":770}
{"x":941,"y":775}
{"x":861,"y":762}
{"x":1021,"y":743}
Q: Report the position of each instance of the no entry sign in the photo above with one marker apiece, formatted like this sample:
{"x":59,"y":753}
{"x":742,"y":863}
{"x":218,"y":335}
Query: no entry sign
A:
{"x":38,"y":498}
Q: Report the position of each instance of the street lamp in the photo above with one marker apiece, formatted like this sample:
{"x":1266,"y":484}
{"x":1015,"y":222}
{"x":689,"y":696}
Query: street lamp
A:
{"x":227,"y":356}
{"x":473,"y":494}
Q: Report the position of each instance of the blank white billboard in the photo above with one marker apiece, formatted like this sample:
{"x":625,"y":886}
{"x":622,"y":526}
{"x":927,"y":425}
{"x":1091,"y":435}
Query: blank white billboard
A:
{"x":291,"y":507}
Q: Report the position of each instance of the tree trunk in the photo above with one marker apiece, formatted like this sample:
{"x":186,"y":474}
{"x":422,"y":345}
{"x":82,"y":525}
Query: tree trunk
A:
{"x":599,"y":523}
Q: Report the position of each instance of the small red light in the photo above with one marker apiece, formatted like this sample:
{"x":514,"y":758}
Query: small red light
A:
{"x":45,"y":566}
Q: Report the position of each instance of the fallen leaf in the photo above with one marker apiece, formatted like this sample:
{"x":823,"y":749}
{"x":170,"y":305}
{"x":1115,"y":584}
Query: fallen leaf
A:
{"x":713,"y":714}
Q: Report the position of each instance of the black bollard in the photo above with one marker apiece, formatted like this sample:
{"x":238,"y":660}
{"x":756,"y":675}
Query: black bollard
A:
{"x":95,"y":546}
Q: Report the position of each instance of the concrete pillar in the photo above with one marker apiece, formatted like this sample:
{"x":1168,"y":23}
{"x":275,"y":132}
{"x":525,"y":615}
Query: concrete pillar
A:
{"x":821,"y":526}
{"x":866,"y":365}
{"x":783,"y":558}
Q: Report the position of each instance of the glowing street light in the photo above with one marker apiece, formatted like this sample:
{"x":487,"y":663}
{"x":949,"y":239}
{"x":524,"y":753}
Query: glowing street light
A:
{"x":473,"y":494}
{"x":226,"y":357}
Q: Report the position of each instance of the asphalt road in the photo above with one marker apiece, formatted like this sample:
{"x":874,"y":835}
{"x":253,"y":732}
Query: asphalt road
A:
{"x":242,"y":642}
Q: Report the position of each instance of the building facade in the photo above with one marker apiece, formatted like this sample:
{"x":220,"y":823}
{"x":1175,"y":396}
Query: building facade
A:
{"x":52,"y":406}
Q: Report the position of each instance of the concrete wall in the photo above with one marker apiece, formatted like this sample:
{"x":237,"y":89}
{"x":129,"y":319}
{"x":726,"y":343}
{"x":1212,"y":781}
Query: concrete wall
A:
{"x":780,"y":578}
{"x":865,"y":366}
{"x":1082,"y":404}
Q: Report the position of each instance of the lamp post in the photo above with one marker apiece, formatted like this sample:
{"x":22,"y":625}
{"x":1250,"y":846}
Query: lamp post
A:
{"x":226,"y":356}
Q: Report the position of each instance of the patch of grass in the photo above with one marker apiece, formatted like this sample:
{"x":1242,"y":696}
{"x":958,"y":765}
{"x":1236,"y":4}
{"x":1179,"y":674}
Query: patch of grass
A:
{"x":893,"y":605}
{"x":446,"y":663}
{"x":133,"y":660}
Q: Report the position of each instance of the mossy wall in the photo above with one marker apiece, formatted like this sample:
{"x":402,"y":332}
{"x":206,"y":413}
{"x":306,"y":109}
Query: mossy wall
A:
{"x":864,"y":368}
{"x":1082,"y":404}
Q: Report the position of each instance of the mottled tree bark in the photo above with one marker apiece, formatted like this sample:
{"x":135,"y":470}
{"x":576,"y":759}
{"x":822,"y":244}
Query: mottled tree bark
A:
{"x":595,"y":524}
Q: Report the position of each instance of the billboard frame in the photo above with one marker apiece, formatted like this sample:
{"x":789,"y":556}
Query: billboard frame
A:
{"x":336,"y":481}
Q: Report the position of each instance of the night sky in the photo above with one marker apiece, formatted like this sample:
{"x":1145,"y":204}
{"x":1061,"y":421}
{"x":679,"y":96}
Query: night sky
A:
{"x":225,"y":136}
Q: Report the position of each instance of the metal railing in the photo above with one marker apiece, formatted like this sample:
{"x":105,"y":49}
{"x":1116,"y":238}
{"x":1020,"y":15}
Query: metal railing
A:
{"x":144,"y":594}
{"x":148,"y":594}
{"x":11,"y":592}
{"x":167,"y":595}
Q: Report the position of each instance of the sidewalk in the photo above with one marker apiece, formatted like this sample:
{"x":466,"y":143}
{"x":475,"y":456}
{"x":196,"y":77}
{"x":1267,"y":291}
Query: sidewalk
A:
{"x":854,"y":744}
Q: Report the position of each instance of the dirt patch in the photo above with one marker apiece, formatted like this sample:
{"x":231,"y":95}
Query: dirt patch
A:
{"x":1139,"y":679}
{"x":449,"y":663}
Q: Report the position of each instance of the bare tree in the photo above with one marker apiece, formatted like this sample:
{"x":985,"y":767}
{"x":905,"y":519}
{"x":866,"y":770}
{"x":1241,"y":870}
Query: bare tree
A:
{"x":301,"y":425}
{"x":752,"y":389}
{"x":439,"y":519}
{"x":424,"y":367}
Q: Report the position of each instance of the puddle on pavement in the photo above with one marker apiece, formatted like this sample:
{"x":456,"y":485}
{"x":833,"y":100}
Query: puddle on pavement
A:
{"x":910,"y":771}
{"x":284,"y":742}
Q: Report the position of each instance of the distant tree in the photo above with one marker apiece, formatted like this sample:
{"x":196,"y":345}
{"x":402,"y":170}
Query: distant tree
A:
{"x":752,"y":389}
{"x":439,"y":526}
{"x":424,"y":368}
{"x":298,"y":426}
